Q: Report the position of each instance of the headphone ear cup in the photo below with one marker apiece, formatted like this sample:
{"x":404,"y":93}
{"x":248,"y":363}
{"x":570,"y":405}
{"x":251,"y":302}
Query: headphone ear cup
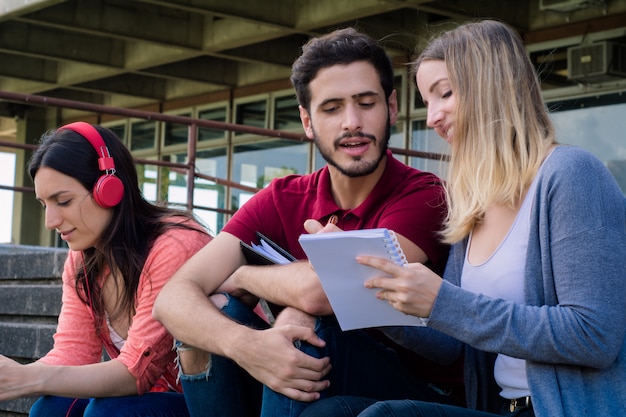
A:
{"x":108,"y":191}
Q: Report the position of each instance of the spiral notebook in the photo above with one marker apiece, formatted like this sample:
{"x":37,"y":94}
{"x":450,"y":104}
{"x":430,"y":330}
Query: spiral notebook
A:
{"x":333,"y":257}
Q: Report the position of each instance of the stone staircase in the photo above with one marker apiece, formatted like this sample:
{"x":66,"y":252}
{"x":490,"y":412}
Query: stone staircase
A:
{"x":30,"y":301}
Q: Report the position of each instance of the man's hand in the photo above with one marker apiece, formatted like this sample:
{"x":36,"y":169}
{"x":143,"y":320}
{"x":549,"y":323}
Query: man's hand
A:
{"x":271,"y":357}
{"x":313,"y":226}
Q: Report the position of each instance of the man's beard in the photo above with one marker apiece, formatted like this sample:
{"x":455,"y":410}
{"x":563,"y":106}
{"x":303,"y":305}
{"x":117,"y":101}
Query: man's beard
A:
{"x":364,"y":168}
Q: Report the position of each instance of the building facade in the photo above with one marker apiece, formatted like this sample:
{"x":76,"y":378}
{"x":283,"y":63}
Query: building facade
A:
{"x":230,"y":63}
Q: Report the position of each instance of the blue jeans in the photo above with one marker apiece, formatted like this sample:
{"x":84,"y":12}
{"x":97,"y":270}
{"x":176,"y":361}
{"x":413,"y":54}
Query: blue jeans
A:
{"x":153,"y":404}
{"x":364,"y":407}
{"x":225,"y":389}
{"x":361,"y":366}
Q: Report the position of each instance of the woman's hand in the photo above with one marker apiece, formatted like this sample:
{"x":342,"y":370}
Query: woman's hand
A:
{"x":411,"y":289}
{"x":13,"y":379}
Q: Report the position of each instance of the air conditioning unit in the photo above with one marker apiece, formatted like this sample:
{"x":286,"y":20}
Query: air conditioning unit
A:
{"x":567,"y":5}
{"x":597,"y":62}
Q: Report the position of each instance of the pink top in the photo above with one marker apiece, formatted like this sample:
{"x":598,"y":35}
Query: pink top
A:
{"x":147,"y":351}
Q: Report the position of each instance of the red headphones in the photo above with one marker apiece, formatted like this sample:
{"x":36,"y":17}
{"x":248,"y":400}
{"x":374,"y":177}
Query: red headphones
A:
{"x":109,"y":189}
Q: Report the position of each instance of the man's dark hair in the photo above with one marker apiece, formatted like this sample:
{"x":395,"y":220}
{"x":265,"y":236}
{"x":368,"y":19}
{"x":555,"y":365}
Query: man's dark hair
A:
{"x":341,"y":47}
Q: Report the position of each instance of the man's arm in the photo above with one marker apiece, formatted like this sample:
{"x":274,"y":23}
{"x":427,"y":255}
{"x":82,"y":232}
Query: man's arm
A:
{"x":184,"y":308}
{"x":412,"y":252}
{"x":297,"y":285}
{"x":292,"y":285}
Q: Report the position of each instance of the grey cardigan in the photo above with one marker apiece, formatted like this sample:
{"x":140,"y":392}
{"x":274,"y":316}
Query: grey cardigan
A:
{"x":572,"y":327}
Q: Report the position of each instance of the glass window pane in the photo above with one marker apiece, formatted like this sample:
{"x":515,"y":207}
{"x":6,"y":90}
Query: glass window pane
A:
{"x":286,"y":114}
{"x":143,"y":135}
{"x":218,"y":115}
{"x":320,"y":162}
{"x":418,"y":103}
{"x":398,"y":85}
{"x":207,"y":193}
{"x":251,"y":114}
{"x":255,"y":165}
{"x":176,"y":133}
{"x":148,"y":179}
{"x":173,"y":181}
{"x":7,"y":177}
{"x":426,"y":140}
{"x":120,"y":131}
{"x":597,"y":124}
{"x":396,"y":140}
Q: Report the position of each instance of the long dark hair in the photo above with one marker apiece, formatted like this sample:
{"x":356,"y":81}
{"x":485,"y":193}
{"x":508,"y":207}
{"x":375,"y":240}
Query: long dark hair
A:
{"x":135,"y":225}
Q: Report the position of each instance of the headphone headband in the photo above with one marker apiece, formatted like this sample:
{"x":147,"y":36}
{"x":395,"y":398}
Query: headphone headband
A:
{"x":105,"y":161}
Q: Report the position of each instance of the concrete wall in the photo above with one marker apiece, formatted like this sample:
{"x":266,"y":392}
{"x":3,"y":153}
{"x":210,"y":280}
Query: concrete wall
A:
{"x":30,"y":301}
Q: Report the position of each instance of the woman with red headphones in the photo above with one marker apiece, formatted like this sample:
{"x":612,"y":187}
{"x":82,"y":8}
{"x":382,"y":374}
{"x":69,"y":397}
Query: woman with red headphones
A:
{"x":122,"y":251}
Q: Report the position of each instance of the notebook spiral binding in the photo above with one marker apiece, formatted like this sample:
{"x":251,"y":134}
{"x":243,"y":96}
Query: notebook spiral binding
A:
{"x":394,"y":248}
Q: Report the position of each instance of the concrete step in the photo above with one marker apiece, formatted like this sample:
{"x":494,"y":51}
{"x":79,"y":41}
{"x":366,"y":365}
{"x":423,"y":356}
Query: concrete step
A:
{"x":30,"y":301}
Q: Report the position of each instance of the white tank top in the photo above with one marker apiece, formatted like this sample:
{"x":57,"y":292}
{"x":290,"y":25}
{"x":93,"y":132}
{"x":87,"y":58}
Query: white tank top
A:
{"x":502,"y":276}
{"x":117,"y":340}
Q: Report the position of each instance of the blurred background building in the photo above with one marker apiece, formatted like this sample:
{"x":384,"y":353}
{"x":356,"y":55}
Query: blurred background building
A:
{"x":229,"y":61}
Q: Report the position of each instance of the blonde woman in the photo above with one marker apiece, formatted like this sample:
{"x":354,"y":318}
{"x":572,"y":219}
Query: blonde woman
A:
{"x":535,"y":284}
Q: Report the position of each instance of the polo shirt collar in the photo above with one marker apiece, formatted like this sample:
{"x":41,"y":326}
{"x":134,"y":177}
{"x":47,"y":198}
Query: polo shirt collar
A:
{"x":325,"y":205}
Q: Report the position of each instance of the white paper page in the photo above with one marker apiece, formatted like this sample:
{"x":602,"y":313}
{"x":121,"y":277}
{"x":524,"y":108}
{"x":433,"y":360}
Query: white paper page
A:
{"x":333,"y":257}
{"x":272,"y":253}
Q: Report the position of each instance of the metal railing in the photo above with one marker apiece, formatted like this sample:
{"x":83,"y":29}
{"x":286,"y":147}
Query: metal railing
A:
{"x":193,"y":123}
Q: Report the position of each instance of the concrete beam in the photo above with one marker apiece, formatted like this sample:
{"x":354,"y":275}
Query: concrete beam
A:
{"x":12,"y":8}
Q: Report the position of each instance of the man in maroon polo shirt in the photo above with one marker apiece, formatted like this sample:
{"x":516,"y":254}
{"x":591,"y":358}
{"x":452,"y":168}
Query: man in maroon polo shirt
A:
{"x":344,"y":84}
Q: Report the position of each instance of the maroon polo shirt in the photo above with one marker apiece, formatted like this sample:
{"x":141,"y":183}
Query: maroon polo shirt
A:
{"x":405,"y":200}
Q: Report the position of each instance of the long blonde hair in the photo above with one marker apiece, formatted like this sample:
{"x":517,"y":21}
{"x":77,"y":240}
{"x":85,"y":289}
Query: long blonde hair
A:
{"x":502,"y":130}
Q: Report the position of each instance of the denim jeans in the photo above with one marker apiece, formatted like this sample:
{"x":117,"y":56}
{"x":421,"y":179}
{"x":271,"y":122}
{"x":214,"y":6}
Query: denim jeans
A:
{"x":225,"y":389}
{"x":361,"y":366}
{"x":153,"y":404}
{"x":365,"y":407}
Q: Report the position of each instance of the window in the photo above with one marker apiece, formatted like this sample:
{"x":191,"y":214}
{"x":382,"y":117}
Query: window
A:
{"x":120,"y":131}
{"x":7,"y":177}
{"x":426,"y":140}
{"x":218,"y":114}
{"x":396,"y":138}
{"x":597,"y":124}
{"x":399,"y":86}
{"x":176,"y":133}
{"x":143,"y":135}
{"x":253,"y":113}
{"x":207,"y":193}
{"x":148,"y":180}
{"x":256,"y":164}
{"x":286,"y":114}
{"x":165,"y":184}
